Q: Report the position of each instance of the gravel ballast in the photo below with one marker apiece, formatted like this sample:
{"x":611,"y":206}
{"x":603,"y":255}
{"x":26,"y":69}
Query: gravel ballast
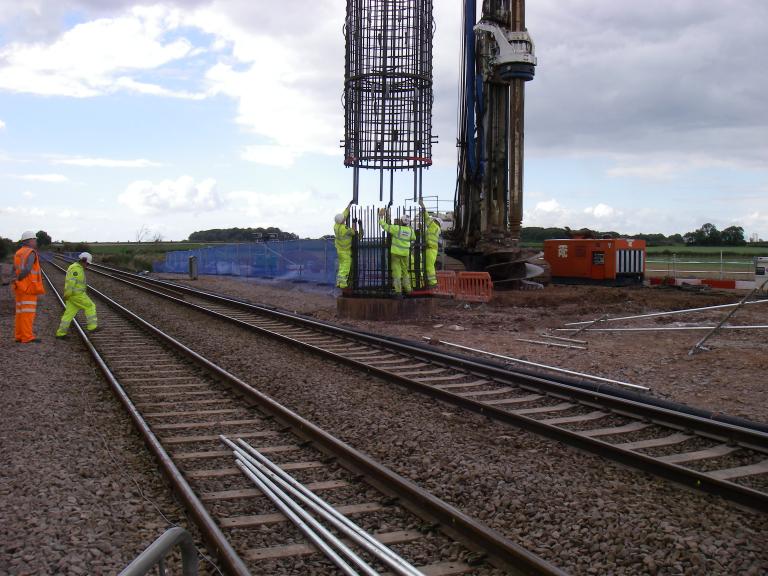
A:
{"x":79,"y":493}
{"x":579,"y":512}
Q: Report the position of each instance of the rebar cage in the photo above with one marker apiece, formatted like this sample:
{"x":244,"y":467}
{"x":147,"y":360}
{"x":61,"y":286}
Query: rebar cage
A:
{"x":388,"y":84}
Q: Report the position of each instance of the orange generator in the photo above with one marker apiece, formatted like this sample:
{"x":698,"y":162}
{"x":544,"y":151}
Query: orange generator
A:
{"x":612,"y":261}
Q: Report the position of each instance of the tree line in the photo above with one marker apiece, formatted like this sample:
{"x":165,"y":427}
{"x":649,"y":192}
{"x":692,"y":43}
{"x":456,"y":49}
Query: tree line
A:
{"x":707,"y":235}
{"x":241,"y":235}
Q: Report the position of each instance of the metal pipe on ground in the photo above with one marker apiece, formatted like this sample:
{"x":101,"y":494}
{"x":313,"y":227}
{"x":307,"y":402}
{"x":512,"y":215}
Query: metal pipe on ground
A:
{"x":318,"y":535}
{"x":536,"y":364}
{"x":322,"y":508}
{"x":700,"y":344}
{"x":556,"y":345}
{"x":670,"y":313}
{"x":669,"y":328}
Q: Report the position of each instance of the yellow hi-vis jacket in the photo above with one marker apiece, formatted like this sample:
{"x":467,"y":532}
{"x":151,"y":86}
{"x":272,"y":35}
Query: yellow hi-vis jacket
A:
{"x":433,"y":234}
{"x":402,"y":236}
{"x":74,"y":283}
{"x":343,"y":234}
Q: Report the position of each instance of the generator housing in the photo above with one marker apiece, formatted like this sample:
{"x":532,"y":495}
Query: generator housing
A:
{"x":609,"y":261}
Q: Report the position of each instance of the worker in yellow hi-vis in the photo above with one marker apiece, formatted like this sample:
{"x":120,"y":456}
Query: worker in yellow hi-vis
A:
{"x":343,"y":236}
{"x":433,"y":241}
{"x":402,"y":237}
{"x":75,"y":297}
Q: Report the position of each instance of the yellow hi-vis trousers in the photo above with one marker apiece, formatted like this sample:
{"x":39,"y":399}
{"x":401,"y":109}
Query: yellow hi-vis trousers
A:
{"x":345,"y":261}
{"x":401,"y":278}
{"x":431,"y":258}
{"x":73,"y":305}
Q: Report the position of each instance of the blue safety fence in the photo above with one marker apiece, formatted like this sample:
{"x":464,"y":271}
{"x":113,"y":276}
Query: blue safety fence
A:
{"x":296,"y":260}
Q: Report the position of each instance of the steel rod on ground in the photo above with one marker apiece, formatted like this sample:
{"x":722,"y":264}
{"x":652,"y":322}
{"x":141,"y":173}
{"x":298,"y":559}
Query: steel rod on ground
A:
{"x":536,"y":364}
{"x":555,"y":344}
{"x":700,"y":344}
{"x":669,"y":328}
{"x":340,"y":522}
{"x":670,"y":313}
{"x":564,"y":339}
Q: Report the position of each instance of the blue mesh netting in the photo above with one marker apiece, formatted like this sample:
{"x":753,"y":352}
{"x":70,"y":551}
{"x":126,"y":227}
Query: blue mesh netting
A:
{"x":308,"y":260}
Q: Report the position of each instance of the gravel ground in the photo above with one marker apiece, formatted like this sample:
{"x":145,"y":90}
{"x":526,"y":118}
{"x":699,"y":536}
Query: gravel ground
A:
{"x":577,"y":511}
{"x":728,"y":379}
{"x":79,"y":493}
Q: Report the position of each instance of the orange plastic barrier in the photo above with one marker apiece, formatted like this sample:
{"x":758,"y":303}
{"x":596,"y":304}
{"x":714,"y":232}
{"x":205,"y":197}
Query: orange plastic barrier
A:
{"x":727,"y":284}
{"x":474,"y":287}
{"x":446,"y":284}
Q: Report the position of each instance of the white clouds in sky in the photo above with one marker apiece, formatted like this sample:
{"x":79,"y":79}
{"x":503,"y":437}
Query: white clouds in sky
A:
{"x":181,"y":195}
{"x":2,"y":124}
{"x":92,"y":58}
{"x":104,"y":162}
{"x":281,"y":156}
{"x":50,"y":178}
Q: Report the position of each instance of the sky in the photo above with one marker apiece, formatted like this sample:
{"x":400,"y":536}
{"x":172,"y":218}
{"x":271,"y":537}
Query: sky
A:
{"x":122,"y":120}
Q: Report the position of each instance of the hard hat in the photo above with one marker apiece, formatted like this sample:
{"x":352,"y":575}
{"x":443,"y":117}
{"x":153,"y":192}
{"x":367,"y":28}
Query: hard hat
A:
{"x":86,"y":256}
{"x":28,"y":235}
{"x":406,"y":220}
{"x":339,"y":218}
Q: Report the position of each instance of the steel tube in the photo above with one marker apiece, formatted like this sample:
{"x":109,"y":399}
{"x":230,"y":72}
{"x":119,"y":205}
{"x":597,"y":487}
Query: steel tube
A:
{"x":308,"y":525}
{"x":654,"y":314}
{"x":518,"y":360}
{"x":321,"y":507}
{"x":668,"y":328}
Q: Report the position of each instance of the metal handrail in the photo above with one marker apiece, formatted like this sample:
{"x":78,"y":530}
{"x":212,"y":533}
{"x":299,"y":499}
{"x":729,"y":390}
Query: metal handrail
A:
{"x":156,"y":552}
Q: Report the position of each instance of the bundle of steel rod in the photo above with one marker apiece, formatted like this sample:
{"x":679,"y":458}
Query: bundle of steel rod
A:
{"x":371,"y":272}
{"x":306,"y":510}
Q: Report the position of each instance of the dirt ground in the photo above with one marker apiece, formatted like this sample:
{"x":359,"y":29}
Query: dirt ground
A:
{"x":730,"y":377}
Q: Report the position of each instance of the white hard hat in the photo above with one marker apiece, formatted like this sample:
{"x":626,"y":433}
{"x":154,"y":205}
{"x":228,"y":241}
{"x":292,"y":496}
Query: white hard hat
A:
{"x":339,"y":218}
{"x":27,"y":235}
{"x":406,"y":220}
{"x":86,"y":256}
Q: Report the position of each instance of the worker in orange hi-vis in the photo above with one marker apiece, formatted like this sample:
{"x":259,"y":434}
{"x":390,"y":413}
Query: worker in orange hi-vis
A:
{"x":27,"y":286}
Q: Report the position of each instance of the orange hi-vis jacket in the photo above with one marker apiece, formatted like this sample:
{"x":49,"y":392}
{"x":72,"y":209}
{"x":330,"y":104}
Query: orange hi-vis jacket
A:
{"x":29,"y":279}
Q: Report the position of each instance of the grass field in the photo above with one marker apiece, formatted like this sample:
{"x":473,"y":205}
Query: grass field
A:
{"x":685,"y":250}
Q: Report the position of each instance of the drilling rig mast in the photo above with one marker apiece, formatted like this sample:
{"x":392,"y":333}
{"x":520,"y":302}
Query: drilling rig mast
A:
{"x":498,"y":59}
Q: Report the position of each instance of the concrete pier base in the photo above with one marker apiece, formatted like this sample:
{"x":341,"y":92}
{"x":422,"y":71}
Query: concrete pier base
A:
{"x":384,"y":308}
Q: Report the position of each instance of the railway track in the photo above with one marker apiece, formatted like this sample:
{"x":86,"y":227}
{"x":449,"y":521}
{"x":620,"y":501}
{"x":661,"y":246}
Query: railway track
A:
{"x":701,"y":453}
{"x":181,"y":403}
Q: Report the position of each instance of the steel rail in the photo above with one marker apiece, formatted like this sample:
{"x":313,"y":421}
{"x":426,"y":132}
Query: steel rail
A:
{"x":210,"y":531}
{"x":713,"y":429}
{"x":499,"y":550}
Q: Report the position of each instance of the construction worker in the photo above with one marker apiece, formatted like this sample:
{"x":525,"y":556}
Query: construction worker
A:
{"x":343,"y":242}
{"x":433,"y":241}
{"x":402,"y":237}
{"x":75,"y":297}
{"x":27,"y":286}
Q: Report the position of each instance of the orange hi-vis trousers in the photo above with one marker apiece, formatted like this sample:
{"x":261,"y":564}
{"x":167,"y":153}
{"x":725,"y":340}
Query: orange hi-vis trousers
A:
{"x":26,"y":310}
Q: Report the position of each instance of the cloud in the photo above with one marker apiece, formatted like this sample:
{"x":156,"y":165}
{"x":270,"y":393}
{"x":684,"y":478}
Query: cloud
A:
{"x":92,"y":58}
{"x":550,"y":213}
{"x":104,"y":162}
{"x":22,"y":211}
{"x":67,"y":213}
{"x":286,"y":80}
{"x":181,"y":195}
{"x":51,"y":178}
{"x":602,"y":211}
{"x":280,"y":156}
{"x":637,"y":79}
{"x":2,"y":124}
{"x":28,"y":194}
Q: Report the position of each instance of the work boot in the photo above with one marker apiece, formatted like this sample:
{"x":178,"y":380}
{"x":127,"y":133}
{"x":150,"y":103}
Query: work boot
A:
{"x":62,"y":337}
{"x":95,"y":330}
